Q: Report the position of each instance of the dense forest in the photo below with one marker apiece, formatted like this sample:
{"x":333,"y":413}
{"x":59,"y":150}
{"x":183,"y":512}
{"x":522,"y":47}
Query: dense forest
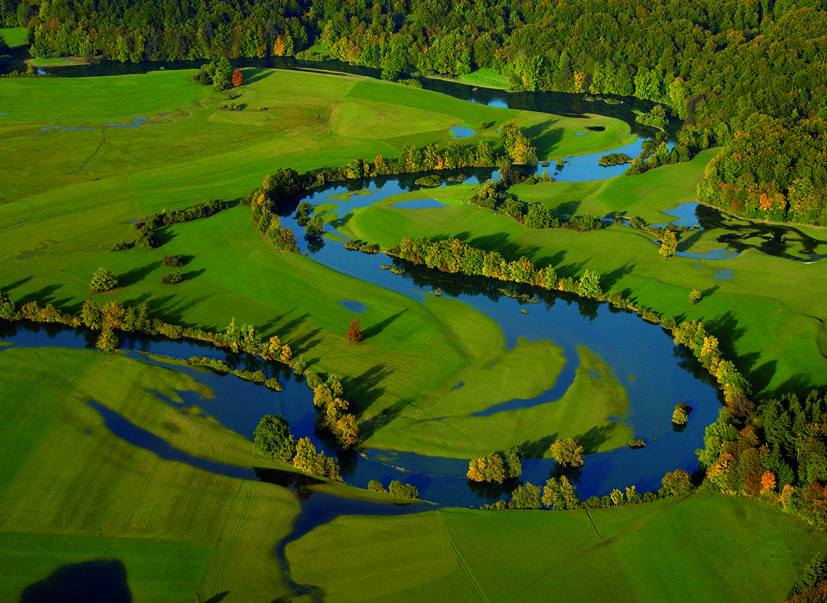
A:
{"x":747,"y":75}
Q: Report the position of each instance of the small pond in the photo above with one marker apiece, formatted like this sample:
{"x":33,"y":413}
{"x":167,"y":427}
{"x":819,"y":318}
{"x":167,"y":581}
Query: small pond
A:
{"x":461,"y":132}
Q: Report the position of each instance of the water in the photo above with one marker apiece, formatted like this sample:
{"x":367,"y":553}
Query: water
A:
{"x":724,"y":275}
{"x":353,"y":306}
{"x":461,"y":132}
{"x":686,"y":214}
{"x":136,"y":122}
{"x":419,"y":204}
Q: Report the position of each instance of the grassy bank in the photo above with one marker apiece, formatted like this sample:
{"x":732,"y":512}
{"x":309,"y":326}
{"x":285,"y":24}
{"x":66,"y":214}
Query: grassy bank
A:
{"x":701,"y":548}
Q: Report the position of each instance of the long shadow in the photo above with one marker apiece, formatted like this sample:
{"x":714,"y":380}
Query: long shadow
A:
{"x":537,"y":448}
{"x":98,"y":581}
{"x":370,"y":426}
{"x":218,"y":598}
{"x":306,"y":342}
{"x":42,"y":296}
{"x":135,"y":275}
{"x":365,"y":389}
{"x":544,"y":140}
{"x":566,"y":209}
{"x":16,"y":284}
{"x":609,"y":280}
{"x":253,"y":75}
{"x":374,"y":330}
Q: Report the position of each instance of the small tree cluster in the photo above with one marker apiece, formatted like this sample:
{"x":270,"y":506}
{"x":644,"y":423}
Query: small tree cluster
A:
{"x":496,"y":468}
{"x":334,"y":410}
{"x":308,"y":460}
{"x":567,"y":452}
{"x":272,"y":438}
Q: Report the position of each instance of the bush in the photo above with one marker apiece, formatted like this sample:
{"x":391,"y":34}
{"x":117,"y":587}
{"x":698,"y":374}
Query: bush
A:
{"x":375,"y":485}
{"x":172,"y":278}
{"x":174,"y":261}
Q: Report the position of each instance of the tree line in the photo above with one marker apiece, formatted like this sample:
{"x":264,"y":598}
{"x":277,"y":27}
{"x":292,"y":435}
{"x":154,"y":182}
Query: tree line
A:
{"x":335,"y":413}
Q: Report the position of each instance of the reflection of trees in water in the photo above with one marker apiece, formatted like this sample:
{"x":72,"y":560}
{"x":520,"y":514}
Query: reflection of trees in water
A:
{"x":775,"y":238}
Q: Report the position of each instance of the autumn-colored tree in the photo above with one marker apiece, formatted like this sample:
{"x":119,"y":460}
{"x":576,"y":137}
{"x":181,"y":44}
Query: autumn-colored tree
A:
{"x":347,"y":431}
{"x":680,"y":416}
{"x":112,"y":314}
{"x":767,"y":482}
{"x":286,"y":354}
{"x":676,"y":483}
{"x":567,"y":452}
{"x":559,"y":494}
{"x":354,"y":332}
{"x":487,"y":469}
{"x":90,"y":314}
{"x":107,"y":341}
{"x":617,"y":497}
{"x":668,"y":243}
{"x":694,"y":296}
{"x":238,"y":78}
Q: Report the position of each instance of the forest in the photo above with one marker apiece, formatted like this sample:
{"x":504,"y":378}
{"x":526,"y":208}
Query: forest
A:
{"x":749,"y":77}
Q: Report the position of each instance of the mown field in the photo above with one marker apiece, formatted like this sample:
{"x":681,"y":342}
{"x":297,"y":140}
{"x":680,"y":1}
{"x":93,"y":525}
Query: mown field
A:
{"x":702,"y":548}
{"x":60,"y":226}
{"x":769,"y":316}
{"x":72,"y":492}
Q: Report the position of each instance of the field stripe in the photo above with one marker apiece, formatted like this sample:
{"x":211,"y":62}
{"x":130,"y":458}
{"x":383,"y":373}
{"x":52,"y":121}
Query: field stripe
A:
{"x":460,"y":560}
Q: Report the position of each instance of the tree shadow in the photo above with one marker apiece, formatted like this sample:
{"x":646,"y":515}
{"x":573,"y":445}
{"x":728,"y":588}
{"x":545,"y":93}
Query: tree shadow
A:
{"x":374,"y":330}
{"x":218,"y":598}
{"x":566,"y":209}
{"x":42,"y":296}
{"x":135,"y":275}
{"x":594,"y":437}
{"x":364,"y":390}
{"x":254,"y":74}
{"x":709,"y":291}
{"x":101,"y":580}
{"x":370,"y":426}
{"x":543,"y":137}
{"x":164,"y":235}
{"x":305,"y":343}
{"x":688,"y":242}
{"x":193,"y":274}
{"x":16,"y":284}
{"x":609,"y":280}
{"x":537,"y":448}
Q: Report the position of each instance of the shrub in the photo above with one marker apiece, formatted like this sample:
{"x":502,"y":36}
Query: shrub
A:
{"x":398,"y":489}
{"x":375,"y":485}
{"x":174,"y":261}
{"x":172,"y":278}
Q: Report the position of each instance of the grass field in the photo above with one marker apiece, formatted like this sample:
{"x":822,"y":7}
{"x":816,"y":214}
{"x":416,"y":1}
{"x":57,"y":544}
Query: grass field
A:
{"x":60,"y":226}
{"x":14,"y":36}
{"x":698,"y":549}
{"x":487,"y":78}
{"x":71,"y":491}
{"x":767,"y":299}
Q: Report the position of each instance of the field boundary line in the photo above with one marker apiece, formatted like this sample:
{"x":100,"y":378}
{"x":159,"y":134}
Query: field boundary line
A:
{"x":461,"y":561}
{"x":602,"y":544}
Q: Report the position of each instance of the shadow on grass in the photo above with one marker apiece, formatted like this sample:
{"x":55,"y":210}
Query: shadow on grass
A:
{"x":102,"y":580}
{"x":135,"y":275}
{"x":374,"y":330}
{"x":365,"y":389}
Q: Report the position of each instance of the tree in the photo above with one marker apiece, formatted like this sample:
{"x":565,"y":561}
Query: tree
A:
{"x":694,"y":296}
{"x":680,"y":416}
{"x":107,"y":340}
{"x":676,"y":483}
{"x":354,"y":333}
{"x":238,"y":78}
{"x":90,"y":315}
{"x":589,"y":285}
{"x":103,"y":280}
{"x":346,"y":431}
{"x":567,"y":452}
{"x":223,"y":73}
{"x":272,"y":438}
{"x":487,"y":469}
{"x":526,"y":496}
{"x":398,"y":489}
{"x":668,"y":243}
{"x":559,"y":494}
{"x":305,"y":456}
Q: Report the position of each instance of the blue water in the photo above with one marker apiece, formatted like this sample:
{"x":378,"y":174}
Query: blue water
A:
{"x":724,"y":275}
{"x":461,"y":132}
{"x":419,"y":204}
{"x":136,"y":123}
{"x":715,"y":254}
{"x":353,"y":306}
{"x":579,"y":133}
{"x":686,"y":214}
{"x":494,"y":102}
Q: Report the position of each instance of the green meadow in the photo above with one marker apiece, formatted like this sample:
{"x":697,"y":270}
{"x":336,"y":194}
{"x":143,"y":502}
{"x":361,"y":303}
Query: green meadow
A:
{"x":14,"y":36}
{"x":766,"y":315}
{"x":72,"y":491}
{"x":700,"y":548}
{"x":59,"y":227}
